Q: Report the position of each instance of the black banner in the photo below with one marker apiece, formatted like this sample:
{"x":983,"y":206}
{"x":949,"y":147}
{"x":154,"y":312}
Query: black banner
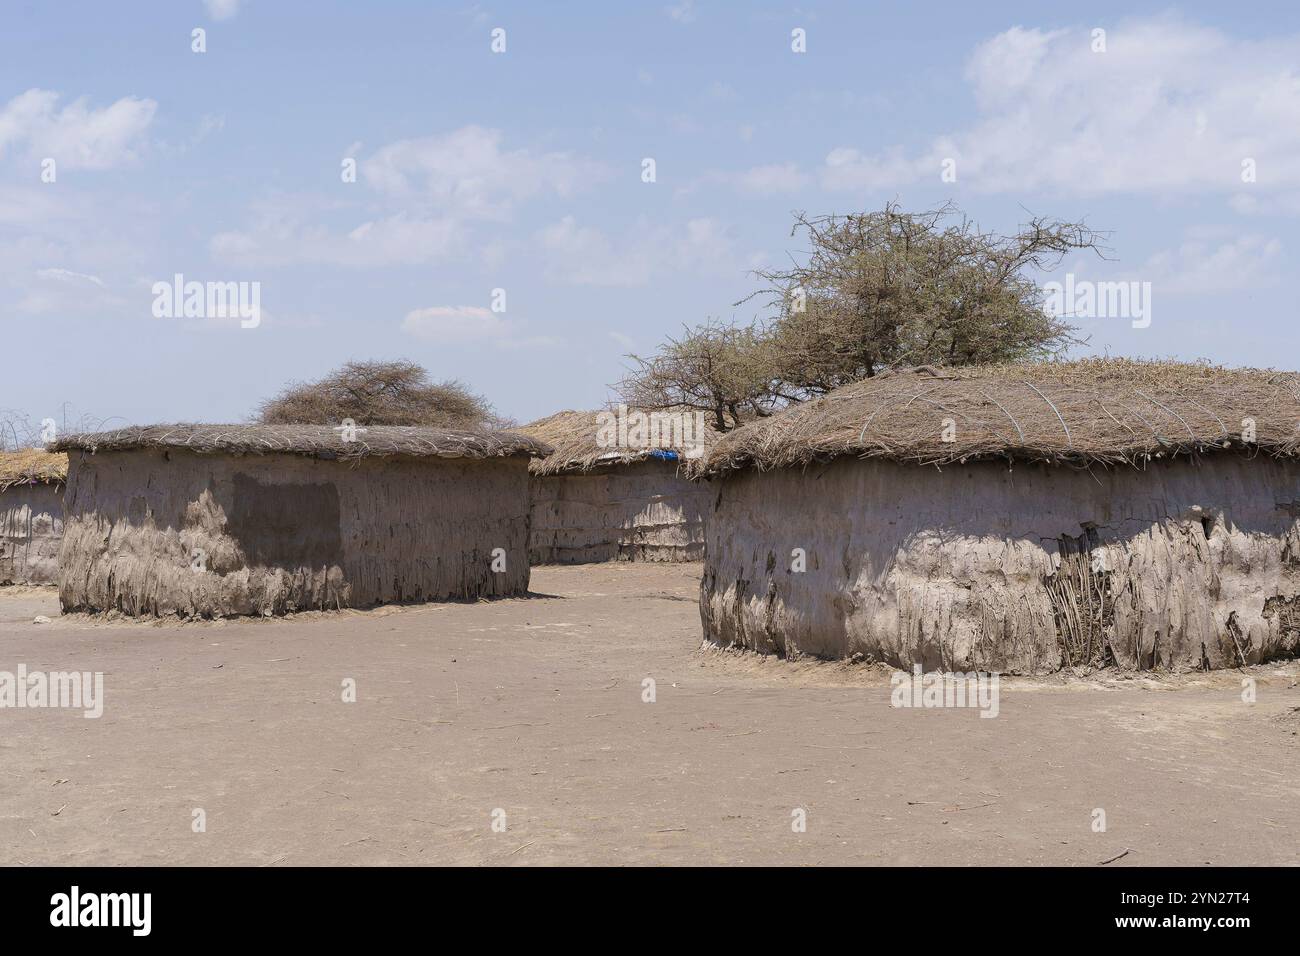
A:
{"x":305,"y":904}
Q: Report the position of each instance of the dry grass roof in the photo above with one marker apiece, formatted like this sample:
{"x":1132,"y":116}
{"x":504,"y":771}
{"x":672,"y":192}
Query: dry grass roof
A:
{"x":1094,"y":410}
{"x":318,"y":441}
{"x":575,"y":439}
{"x":31,"y":466}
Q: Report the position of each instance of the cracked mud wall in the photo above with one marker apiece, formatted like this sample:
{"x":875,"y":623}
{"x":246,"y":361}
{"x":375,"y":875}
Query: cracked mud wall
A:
{"x":154,"y":532}
{"x":638,"y":512}
{"x":1020,"y":570}
{"x":31,"y":527}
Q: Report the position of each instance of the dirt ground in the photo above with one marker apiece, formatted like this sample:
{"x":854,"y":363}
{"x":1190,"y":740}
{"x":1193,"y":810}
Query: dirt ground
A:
{"x":530,"y":712}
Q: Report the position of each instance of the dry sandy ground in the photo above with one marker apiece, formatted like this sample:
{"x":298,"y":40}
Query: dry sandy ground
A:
{"x":534,"y":707}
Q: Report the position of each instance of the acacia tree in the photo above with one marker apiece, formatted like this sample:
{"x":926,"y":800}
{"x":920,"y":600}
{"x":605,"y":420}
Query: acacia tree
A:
{"x":725,"y":371}
{"x":379,"y":393}
{"x":890,"y":289}
{"x":878,"y":290}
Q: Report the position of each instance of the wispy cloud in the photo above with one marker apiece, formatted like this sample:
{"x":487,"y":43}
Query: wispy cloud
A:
{"x":1208,"y":265}
{"x":424,"y":198}
{"x":469,"y":171}
{"x":76,"y":136}
{"x":280,"y":237}
{"x":470,"y":325}
{"x":222,"y":9}
{"x":683,"y":11}
{"x":576,"y":254}
{"x":67,"y":275}
{"x":1168,"y":107}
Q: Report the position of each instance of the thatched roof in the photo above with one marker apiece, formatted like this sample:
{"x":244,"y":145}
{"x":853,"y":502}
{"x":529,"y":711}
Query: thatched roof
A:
{"x":318,"y":441}
{"x":31,"y":466}
{"x":1094,"y":410}
{"x":575,"y":439}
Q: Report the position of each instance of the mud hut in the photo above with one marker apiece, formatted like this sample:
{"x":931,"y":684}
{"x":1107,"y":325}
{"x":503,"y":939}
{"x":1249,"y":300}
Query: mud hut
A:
{"x":223,"y":520}
{"x":616,"y":487}
{"x":31,"y":515}
{"x":1017,"y":519}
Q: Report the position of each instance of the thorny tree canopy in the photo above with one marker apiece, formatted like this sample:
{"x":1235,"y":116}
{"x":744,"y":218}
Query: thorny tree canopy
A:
{"x":725,"y":371}
{"x":379,"y":393}
{"x":878,"y":290}
{"x":893,"y":289}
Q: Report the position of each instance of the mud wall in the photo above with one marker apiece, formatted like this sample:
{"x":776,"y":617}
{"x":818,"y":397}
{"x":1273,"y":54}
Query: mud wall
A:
{"x":637,"y":512}
{"x":155,"y":532}
{"x":1021,"y":570}
{"x":31,"y":526}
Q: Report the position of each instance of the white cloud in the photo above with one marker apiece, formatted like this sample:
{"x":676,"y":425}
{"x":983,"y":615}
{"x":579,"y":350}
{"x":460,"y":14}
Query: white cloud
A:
{"x":1265,"y":204}
{"x":682,"y":12}
{"x":76,"y":136}
{"x":705,"y":245}
{"x":64,"y":292}
{"x":469,"y":325}
{"x":583,"y":255}
{"x":1004,"y":69}
{"x":430,"y":191}
{"x":398,"y":239}
{"x":67,"y":275}
{"x":35,"y":206}
{"x":467,"y":171}
{"x":208,"y":124}
{"x":476,"y":14}
{"x":222,"y":9}
{"x":848,"y":169}
{"x":1205,"y":266}
{"x":70,"y":252}
{"x":1169,"y":107}
{"x":773,"y":178}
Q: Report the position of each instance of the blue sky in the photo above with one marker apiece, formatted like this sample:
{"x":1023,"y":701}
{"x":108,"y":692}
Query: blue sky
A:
{"x":522,"y":171}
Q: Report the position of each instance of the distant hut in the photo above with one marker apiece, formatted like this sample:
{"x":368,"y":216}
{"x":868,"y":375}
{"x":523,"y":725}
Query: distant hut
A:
{"x":223,"y":520}
{"x":31,"y":515}
{"x":1019,"y":519}
{"x":615,"y":487}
